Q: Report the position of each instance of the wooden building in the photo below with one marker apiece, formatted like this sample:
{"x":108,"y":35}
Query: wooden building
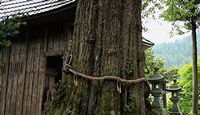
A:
{"x":33,"y":63}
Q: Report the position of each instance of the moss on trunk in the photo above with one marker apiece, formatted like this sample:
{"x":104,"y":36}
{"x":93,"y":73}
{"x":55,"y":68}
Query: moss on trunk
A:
{"x":106,"y":41}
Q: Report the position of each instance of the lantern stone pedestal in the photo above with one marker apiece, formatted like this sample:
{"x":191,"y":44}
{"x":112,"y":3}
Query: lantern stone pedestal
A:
{"x":157,"y":93}
{"x":157,"y":102}
{"x":175,"y":108}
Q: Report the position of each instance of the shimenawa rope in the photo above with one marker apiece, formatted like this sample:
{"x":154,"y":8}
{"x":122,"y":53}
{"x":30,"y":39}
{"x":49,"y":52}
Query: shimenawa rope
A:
{"x":119,"y":80}
{"x":115,"y":78}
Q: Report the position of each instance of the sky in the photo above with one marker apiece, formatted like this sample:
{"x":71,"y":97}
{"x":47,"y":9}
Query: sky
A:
{"x":158,"y":32}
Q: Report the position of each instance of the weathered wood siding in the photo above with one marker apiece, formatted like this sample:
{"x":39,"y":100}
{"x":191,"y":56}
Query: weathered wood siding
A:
{"x":23,"y":76}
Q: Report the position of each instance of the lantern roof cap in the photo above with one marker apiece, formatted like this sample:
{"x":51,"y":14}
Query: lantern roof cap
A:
{"x":156,"y":76}
{"x":174,"y":87}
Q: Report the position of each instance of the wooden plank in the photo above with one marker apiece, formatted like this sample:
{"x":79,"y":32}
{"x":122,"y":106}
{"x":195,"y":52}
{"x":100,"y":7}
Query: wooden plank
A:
{"x":57,"y":37}
{"x":50,"y":39}
{"x":42,"y":66}
{"x":38,"y":89}
{"x":41,"y":86}
{"x":62,"y":41}
{"x":45,"y":39}
{"x":1,"y":73}
{"x":64,"y":37}
{"x":21,"y":79}
{"x":41,"y":92}
{"x":5,"y":80}
{"x":27,"y":79}
{"x":25,"y":97}
{"x":10,"y":82}
{"x":13,"y":90}
{"x":20,"y":89}
{"x":28,"y":111}
{"x":15,"y":75}
{"x":1,"y":78}
{"x":30,"y":89}
{"x":31,"y":107}
{"x":36,"y":77}
{"x":36,"y":50}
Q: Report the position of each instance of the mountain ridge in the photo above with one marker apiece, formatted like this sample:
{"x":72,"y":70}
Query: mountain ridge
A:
{"x":177,"y":53}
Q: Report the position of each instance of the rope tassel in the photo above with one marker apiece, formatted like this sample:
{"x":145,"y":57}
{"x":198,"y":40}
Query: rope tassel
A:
{"x":119,"y":89}
{"x":75,"y":80}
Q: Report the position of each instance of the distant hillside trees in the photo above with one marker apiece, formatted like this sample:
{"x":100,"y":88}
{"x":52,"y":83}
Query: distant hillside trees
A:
{"x":152,"y":61}
{"x":177,"y":53}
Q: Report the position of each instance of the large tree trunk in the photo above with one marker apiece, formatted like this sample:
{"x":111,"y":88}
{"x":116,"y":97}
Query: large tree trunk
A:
{"x":194,"y":69}
{"x":107,"y":41}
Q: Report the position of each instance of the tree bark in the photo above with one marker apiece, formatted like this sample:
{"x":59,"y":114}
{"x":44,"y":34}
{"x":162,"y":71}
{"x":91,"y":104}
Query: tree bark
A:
{"x":107,"y":41}
{"x":194,"y":69}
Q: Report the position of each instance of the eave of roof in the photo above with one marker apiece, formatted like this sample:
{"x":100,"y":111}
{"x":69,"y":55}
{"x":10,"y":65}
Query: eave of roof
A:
{"x":35,"y":7}
{"x":147,"y":43}
{"x":30,"y":7}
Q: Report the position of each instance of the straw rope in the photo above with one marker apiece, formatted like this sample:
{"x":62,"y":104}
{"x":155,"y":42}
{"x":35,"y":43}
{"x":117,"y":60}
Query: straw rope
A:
{"x":68,"y":68}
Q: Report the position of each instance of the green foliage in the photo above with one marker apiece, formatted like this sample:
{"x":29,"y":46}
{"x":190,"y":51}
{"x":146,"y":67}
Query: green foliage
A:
{"x":149,"y":10}
{"x":169,"y":104}
{"x":170,"y":73}
{"x":129,"y":70}
{"x":57,"y":105}
{"x":130,"y":107}
{"x":184,"y":76}
{"x":155,"y":112}
{"x":2,"y":66}
{"x":180,"y":12}
{"x":9,"y":29}
{"x":151,"y":62}
{"x":186,"y":84}
{"x":59,"y":111}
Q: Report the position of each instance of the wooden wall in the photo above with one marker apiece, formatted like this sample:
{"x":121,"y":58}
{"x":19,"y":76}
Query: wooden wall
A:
{"x":23,"y":76}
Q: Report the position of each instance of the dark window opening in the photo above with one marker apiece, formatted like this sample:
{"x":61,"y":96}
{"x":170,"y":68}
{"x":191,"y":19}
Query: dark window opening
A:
{"x":55,"y":63}
{"x":53,"y":76}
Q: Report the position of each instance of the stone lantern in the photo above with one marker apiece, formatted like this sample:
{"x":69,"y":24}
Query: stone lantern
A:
{"x":157,"y":92}
{"x":174,"y":89}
